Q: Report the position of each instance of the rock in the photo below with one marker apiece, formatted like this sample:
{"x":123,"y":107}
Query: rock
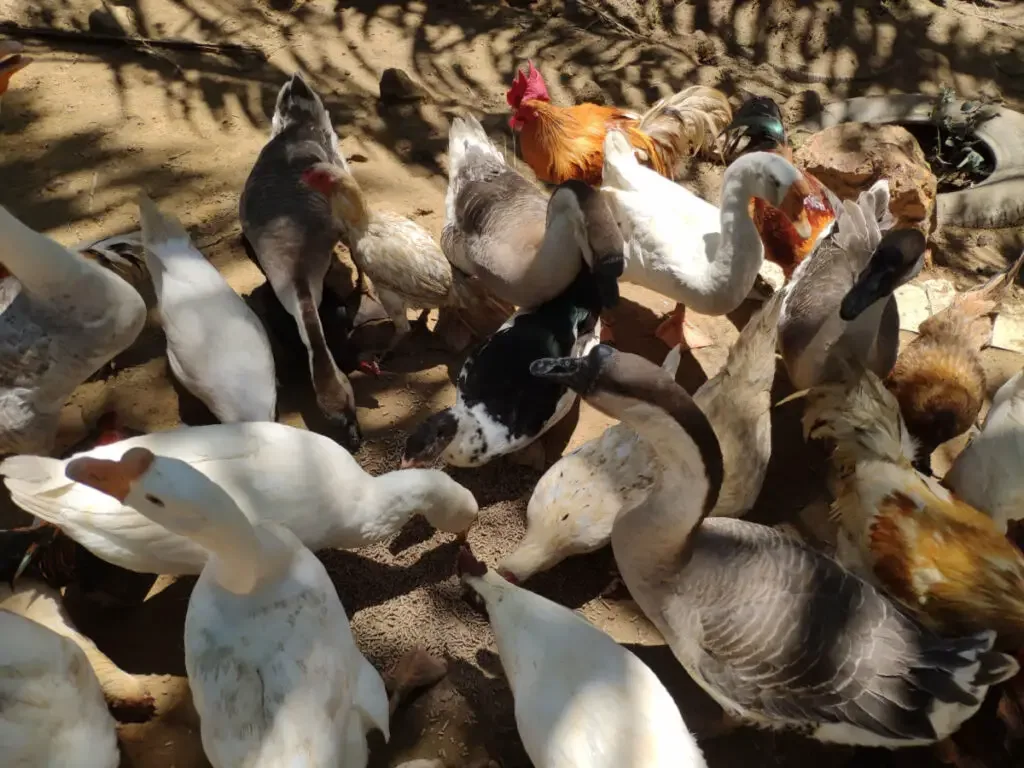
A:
{"x":850,"y":157}
{"x":591,"y":92}
{"x":397,"y":87}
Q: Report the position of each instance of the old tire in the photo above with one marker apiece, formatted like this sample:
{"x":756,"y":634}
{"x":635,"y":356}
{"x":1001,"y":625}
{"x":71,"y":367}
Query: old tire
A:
{"x":996,"y":202}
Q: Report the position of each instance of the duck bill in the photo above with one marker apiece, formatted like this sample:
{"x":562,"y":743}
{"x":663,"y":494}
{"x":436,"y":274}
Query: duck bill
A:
{"x":872,"y":285}
{"x":573,"y":372}
{"x":114,"y":478}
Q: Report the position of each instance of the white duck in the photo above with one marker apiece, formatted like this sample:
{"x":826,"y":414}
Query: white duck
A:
{"x":298,"y":479}
{"x":127,"y":695}
{"x":987,"y":473}
{"x":581,"y":699}
{"x":216,"y":346}
{"x":703,"y":256}
{"x":777,"y":633}
{"x":52,"y":711}
{"x":275,"y":673}
{"x":61,"y":320}
{"x":576,"y":502}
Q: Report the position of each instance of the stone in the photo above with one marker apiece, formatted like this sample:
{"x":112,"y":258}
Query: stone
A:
{"x":850,"y":157}
{"x":397,"y":87}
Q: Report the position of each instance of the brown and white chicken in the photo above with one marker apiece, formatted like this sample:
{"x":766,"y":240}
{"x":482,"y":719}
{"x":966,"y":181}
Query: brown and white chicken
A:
{"x":939,"y":556}
{"x":403,"y":261}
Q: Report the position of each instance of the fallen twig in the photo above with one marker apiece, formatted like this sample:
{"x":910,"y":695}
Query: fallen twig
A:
{"x":11,"y":29}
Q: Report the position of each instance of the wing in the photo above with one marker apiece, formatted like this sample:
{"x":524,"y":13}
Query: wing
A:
{"x":803,"y":640}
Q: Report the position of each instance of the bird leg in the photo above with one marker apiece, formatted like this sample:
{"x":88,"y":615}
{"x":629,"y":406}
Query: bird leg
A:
{"x":674,"y":330}
{"x":416,"y":669}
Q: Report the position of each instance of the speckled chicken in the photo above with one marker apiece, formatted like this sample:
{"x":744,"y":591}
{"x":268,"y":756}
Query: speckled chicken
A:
{"x":938,"y":379}
{"x":938,"y":555}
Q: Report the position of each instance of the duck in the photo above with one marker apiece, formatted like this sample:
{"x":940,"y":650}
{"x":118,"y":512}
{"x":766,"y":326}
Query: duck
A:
{"x":499,"y":407}
{"x":216,"y":346}
{"x":299,"y":479}
{"x":274,"y":670}
{"x":777,"y":633}
{"x":12,"y":61}
{"x":52,"y":710}
{"x":839,"y":303}
{"x":937,"y":555}
{"x":525,"y":248}
{"x":581,"y":699}
{"x":127,"y":696}
{"x":292,"y":234}
{"x":938,"y":378}
{"x":702,"y":256}
{"x":576,"y":502}
{"x":986,"y":474}
{"x":401,"y":258}
{"x":63,"y":317}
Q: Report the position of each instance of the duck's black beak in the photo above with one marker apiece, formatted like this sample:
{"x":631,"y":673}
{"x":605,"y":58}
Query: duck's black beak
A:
{"x":577,"y":373}
{"x":877,"y":281}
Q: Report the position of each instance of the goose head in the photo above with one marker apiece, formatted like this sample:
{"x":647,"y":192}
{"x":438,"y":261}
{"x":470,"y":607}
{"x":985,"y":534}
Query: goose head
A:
{"x":645,"y":396}
{"x":897,"y":260}
{"x":168,"y":491}
{"x":428,"y":441}
{"x":596,"y":232}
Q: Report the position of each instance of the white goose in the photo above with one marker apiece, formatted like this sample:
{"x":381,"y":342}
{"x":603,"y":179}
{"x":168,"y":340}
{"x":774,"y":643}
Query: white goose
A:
{"x":61,"y":320}
{"x":703,"y":256}
{"x":216,"y":346}
{"x":298,"y":479}
{"x":52,"y":711}
{"x":275,"y":673}
{"x":581,"y":699}
{"x":777,"y":633}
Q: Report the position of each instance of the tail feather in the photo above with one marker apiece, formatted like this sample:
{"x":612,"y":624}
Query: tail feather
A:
{"x":862,"y":416}
{"x":35,"y":484}
{"x":752,"y":358}
{"x":466,"y":134}
{"x":158,"y":227}
{"x":759,"y":121}
{"x":970,"y":318}
{"x":619,"y":161}
{"x":685,"y":124}
{"x":861,"y":224}
{"x":958,"y":670}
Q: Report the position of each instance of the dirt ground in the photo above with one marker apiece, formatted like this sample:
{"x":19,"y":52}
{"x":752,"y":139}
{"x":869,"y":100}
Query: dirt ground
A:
{"x":90,"y":123}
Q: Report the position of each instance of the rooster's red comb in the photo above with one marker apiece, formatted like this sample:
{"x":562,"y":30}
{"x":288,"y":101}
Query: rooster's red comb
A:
{"x":526,"y":85}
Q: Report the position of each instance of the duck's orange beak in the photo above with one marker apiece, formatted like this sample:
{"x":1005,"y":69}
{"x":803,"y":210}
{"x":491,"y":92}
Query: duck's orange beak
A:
{"x":113,"y":478}
{"x":14,"y":62}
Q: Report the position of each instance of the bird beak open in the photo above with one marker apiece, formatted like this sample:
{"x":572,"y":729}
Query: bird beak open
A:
{"x":114,"y":478}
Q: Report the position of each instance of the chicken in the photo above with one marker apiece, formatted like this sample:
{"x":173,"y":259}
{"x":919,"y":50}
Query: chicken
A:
{"x":11,"y":61}
{"x":563,"y":143}
{"x":759,"y":121}
{"x":399,"y":256}
{"x":939,"y":556}
{"x":938,"y":379}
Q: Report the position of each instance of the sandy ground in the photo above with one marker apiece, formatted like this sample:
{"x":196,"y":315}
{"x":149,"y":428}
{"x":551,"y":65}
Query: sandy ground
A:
{"x":88,"y":124}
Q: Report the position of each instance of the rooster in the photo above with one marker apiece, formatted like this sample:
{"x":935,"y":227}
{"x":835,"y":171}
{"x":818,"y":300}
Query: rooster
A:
{"x":759,"y":121}
{"x":565,"y":143}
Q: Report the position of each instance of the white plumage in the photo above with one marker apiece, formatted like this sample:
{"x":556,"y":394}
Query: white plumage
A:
{"x":52,"y":712}
{"x":581,"y":699}
{"x":275,"y":473}
{"x":216,"y":346}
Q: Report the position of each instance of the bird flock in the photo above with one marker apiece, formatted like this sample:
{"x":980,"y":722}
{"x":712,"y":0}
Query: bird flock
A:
{"x":893,"y":635}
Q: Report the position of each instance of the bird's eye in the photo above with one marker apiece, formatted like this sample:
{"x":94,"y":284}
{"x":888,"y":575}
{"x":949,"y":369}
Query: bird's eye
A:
{"x":154,"y":500}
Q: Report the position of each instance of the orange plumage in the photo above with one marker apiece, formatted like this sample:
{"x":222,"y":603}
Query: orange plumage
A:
{"x":563,"y":143}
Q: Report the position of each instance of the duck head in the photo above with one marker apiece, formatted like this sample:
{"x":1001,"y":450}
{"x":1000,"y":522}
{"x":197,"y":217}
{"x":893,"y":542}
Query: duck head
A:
{"x":428,"y":441}
{"x":170,"y":492}
{"x":897,"y":260}
{"x":596,"y":232}
{"x":645,"y":396}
